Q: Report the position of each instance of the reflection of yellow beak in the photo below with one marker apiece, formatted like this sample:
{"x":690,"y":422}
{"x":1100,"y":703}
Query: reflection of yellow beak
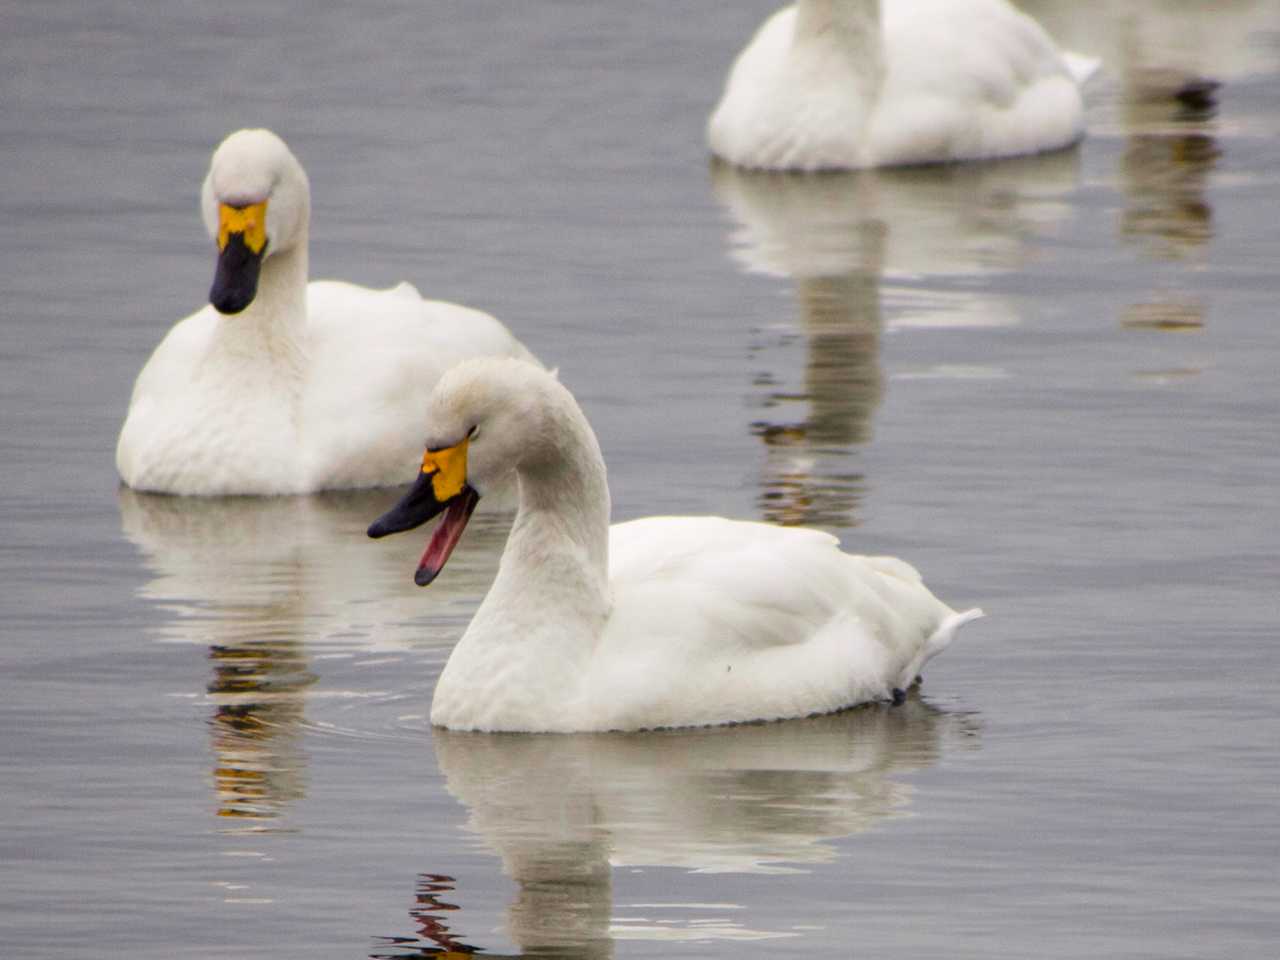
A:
{"x":250,"y":222}
{"x":447,"y":469}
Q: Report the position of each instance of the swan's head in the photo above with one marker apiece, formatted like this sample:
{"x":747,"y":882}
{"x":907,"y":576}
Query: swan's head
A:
{"x":255,"y":202}
{"x":489,"y":416}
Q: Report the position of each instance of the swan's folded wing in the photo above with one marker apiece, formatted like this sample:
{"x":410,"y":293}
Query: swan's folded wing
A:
{"x":973,"y":80}
{"x":374,"y":358}
{"x":716,"y":620}
{"x":750,"y":586}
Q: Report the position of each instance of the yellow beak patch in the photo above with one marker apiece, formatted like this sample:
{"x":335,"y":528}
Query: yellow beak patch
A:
{"x":447,"y":469}
{"x":250,"y":222}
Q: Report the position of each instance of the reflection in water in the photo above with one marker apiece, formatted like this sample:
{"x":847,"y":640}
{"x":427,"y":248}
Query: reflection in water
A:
{"x":1165,"y":175}
{"x":847,"y":241}
{"x":1172,"y":63}
{"x":799,"y":227}
{"x":1169,"y":154}
{"x":562,"y":810}
{"x":258,"y":710}
{"x":1162,"y":47}
{"x":429,"y":914}
{"x":261,"y":581}
{"x":808,"y":479}
{"x":1168,"y":314}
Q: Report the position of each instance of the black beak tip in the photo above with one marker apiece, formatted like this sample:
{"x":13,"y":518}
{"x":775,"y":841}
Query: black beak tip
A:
{"x":228,"y":302}
{"x":424,"y":576}
{"x":378,"y":529}
{"x":235,"y":278}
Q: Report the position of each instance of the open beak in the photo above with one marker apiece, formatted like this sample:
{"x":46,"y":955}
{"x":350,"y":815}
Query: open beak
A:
{"x":242,"y":242}
{"x":441,"y":486}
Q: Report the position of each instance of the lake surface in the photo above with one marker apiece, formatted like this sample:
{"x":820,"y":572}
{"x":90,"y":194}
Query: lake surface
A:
{"x":1050,"y":384}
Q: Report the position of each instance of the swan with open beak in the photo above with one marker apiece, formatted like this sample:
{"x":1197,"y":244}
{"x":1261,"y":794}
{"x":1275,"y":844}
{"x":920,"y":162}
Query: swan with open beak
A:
{"x":441,"y":485}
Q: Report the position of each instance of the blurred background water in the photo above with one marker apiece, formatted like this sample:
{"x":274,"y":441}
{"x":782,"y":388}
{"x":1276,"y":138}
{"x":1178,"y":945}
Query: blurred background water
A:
{"x":1050,"y":384}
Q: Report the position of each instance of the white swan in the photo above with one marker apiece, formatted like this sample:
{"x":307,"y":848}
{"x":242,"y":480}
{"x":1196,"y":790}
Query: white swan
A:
{"x":280,"y":386}
{"x":661,"y":622}
{"x":849,"y":84}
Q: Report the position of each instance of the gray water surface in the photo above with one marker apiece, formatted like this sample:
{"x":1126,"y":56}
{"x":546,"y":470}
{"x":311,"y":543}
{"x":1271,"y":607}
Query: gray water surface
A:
{"x":1050,"y":384}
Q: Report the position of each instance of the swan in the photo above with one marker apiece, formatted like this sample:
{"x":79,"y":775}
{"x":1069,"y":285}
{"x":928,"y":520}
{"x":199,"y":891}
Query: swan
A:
{"x":281,"y":386}
{"x":850,"y":84}
{"x":659,"y":622}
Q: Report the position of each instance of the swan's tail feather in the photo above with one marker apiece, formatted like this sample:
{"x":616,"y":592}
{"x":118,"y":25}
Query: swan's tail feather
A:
{"x":1080,"y":67}
{"x":947,"y":630}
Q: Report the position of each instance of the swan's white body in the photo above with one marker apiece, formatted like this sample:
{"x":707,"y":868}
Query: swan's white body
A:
{"x":851,"y":84}
{"x":313,"y":386}
{"x":661,"y":622}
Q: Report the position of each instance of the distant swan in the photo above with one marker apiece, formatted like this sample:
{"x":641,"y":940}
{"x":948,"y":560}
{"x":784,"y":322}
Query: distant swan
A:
{"x":660,"y":622}
{"x":845,"y":84}
{"x":281,"y":386}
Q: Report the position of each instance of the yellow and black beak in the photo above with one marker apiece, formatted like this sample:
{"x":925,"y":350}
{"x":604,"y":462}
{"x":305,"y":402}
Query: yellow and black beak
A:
{"x":242,"y":242}
{"x":440,"y":486}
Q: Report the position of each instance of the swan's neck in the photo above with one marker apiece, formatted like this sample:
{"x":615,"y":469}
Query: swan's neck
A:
{"x":842,"y":373}
{"x":851,"y":27}
{"x":270,"y":332}
{"x":523,"y":661}
{"x":554,"y":576}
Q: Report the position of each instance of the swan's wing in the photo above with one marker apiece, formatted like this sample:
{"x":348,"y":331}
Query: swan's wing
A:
{"x":166,"y":375}
{"x":752,"y":586}
{"x":751,"y":106}
{"x":716,"y":620}
{"x":344,"y":317}
{"x":175,"y":357}
{"x":982,"y":51}
{"x":374,"y":358}
{"x":971,"y":80}
{"x":654,"y":545}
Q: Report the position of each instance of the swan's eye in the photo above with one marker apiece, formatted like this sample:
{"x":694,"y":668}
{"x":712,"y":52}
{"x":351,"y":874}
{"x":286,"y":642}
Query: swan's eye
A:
{"x":473,"y":433}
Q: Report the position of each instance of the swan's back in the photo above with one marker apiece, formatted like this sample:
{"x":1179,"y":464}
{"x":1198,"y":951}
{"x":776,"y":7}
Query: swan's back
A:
{"x":344,"y":316}
{"x":778,"y":113}
{"x":971,"y":81}
{"x":375,"y":356}
{"x":717,"y":620}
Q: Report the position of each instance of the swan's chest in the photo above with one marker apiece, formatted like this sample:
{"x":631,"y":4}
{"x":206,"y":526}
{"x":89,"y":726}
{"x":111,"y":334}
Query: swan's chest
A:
{"x":202,"y":424}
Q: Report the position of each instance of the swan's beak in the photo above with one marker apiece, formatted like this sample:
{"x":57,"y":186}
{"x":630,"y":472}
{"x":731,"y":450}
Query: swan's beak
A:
{"x":441,"y":486}
{"x":242,"y":241}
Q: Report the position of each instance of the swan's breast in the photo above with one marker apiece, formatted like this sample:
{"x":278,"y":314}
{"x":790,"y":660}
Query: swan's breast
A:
{"x":201,"y":422}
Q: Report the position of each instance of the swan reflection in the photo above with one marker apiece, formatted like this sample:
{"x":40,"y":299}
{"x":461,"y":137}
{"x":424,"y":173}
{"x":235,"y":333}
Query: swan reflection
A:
{"x":255,"y":728}
{"x":1172,"y":64}
{"x":431,"y":914}
{"x":263,"y":582}
{"x":563,"y":810}
{"x":1170,"y":153}
{"x":1163,"y":48}
{"x":860,"y":246}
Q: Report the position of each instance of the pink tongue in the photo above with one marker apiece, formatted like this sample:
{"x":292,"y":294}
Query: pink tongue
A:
{"x":447,"y":533}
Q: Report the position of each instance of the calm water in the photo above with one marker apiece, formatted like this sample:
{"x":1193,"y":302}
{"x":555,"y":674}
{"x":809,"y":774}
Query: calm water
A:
{"x":1050,"y":384}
